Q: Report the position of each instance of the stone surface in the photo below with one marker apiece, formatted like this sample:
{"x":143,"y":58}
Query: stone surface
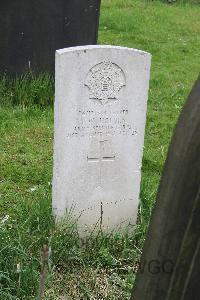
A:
{"x":31,"y":31}
{"x":170,"y":262}
{"x":100,"y":113}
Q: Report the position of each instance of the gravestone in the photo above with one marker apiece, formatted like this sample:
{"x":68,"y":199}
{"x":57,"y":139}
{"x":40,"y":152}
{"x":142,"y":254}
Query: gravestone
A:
{"x":170,"y":263}
{"x":31,"y":31}
{"x":100,"y":112}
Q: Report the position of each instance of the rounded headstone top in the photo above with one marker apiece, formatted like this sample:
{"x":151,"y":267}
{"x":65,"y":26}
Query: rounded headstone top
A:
{"x":100,"y":47}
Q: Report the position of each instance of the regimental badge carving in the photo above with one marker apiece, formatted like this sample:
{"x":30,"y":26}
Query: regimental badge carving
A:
{"x":104,"y":81}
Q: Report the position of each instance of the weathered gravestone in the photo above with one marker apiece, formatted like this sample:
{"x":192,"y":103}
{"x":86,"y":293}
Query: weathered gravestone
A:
{"x":170,"y":264}
{"x":100,"y":113}
{"x":31,"y":31}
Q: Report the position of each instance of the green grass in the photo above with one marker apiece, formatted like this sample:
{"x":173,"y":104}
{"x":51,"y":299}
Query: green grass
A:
{"x":102,"y":268}
{"x":27,"y":90}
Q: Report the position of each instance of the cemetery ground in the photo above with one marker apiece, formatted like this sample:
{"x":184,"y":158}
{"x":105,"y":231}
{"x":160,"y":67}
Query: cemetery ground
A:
{"x":104,"y":266}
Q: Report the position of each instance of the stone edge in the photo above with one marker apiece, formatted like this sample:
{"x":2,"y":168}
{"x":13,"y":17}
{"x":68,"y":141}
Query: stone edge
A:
{"x":91,"y":47}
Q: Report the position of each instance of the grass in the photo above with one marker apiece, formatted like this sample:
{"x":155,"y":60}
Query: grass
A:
{"x":102,"y":268}
{"x":27,"y":90}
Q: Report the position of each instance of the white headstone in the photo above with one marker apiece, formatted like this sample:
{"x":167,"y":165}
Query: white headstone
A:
{"x":100,"y":114}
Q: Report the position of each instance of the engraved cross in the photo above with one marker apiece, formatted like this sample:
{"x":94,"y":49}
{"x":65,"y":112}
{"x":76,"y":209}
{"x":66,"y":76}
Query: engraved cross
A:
{"x":105,"y":155}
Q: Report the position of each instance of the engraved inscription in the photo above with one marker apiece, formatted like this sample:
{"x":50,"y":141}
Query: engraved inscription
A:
{"x":90,"y":122}
{"x":104,"y":81}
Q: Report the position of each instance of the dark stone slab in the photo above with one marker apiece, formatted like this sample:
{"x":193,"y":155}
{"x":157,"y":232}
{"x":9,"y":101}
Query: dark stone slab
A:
{"x":31,"y":31}
{"x":171,"y":254}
